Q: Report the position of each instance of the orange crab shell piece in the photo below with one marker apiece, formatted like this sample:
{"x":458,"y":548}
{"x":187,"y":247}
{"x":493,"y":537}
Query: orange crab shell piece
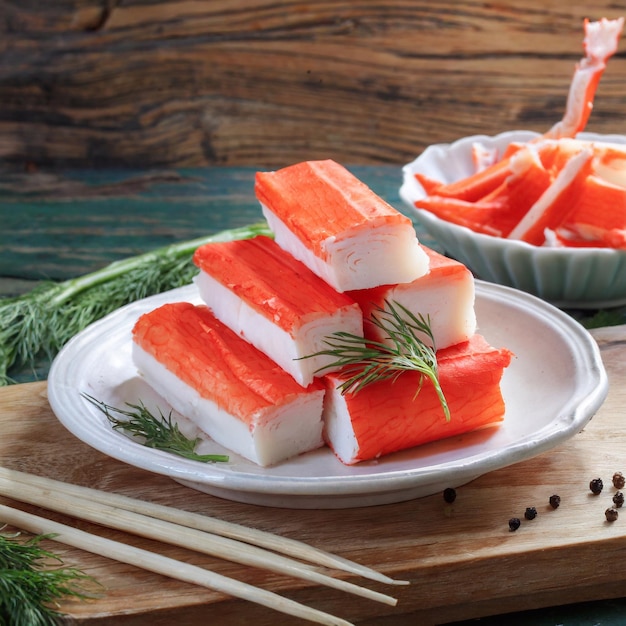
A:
{"x":386,"y":417}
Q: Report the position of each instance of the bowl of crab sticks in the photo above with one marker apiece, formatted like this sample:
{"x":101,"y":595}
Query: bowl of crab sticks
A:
{"x":543,"y":213}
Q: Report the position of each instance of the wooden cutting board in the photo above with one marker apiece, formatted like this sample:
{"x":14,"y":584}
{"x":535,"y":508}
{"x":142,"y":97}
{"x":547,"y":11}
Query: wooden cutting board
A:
{"x":461,"y":559}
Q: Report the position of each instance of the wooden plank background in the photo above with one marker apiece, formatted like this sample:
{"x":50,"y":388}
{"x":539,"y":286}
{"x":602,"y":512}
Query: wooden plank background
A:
{"x":118,"y":83}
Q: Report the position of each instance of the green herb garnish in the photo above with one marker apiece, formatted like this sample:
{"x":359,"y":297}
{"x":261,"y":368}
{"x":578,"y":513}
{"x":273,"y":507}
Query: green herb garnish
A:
{"x":32,"y":580}
{"x":365,"y":361}
{"x":38,"y":323}
{"x":156,"y":432}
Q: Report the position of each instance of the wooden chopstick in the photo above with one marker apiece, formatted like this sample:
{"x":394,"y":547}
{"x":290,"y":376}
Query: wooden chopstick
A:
{"x":163,"y":565}
{"x":190,"y":530}
{"x":174,"y":534}
{"x":205,"y":523}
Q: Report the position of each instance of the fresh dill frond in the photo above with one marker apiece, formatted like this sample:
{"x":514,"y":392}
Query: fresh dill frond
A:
{"x":39,"y":323}
{"x":33,"y":580}
{"x":155,"y":432}
{"x":365,"y":361}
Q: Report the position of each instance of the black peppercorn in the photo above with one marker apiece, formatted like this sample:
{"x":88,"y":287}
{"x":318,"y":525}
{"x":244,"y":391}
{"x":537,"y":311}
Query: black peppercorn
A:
{"x":530,"y":512}
{"x":596,"y":486}
{"x":619,"y":482}
{"x":555,"y":501}
{"x":611,"y":515}
{"x":449,"y":495}
{"x":514,"y":524}
{"x":618,"y":499}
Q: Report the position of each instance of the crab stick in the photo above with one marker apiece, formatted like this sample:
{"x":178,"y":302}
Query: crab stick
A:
{"x":598,"y":216}
{"x":445,"y":295}
{"x":600,"y":43}
{"x":386,"y":417}
{"x":555,"y":204}
{"x":275,"y":302}
{"x":476,"y":185}
{"x":230,"y":390}
{"x":332,"y":222}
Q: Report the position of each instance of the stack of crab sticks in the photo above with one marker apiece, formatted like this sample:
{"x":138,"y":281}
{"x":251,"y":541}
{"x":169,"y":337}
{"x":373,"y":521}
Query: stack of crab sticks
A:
{"x":254,"y":366}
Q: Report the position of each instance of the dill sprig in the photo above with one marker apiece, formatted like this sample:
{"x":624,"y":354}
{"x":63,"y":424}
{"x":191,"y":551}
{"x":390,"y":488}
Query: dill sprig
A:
{"x":39,"y":323}
{"x":155,"y":432}
{"x":365,"y":361}
{"x":32,"y":580}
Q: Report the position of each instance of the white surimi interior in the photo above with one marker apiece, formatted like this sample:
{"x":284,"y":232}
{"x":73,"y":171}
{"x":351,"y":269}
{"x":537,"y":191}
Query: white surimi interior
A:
{"x":380,"y":256}
{"x":285,"y":432}
{"x":450,"y":306}
{"x":338,"y":431}
{"x":265,"y":335}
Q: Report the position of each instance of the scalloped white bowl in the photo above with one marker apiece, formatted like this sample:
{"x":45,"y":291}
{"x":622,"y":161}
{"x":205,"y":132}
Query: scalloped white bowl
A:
{"x":566,"y":277}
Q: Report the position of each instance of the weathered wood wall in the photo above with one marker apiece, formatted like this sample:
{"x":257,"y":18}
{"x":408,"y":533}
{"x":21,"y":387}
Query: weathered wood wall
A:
{"x":268,"y":82}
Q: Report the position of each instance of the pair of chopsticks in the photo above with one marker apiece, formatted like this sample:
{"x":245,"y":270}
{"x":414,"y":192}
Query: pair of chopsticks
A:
{"x":200,"y":533}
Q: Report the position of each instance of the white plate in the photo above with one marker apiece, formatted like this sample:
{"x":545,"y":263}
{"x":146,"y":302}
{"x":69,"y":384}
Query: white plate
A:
{"x":552,"y":388}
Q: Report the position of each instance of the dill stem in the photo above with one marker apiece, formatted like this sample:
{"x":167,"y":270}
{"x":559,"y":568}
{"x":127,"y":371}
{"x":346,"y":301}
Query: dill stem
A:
{"x":74,"y":286}
{"x":41,"y":321}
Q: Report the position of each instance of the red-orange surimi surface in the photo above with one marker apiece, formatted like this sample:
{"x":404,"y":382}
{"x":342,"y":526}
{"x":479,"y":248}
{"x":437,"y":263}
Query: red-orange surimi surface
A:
{"x":209,"y":357}
{"x":388,"y":417}
{"x":607,"y":226}
{"x":477,"y":185}
{"x":337,"y":203}
{"x":556,"y":204}
{"x":270,"y":280}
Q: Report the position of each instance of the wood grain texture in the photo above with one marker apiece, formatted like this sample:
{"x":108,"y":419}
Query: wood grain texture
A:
{"x":461,"y":559}
{"x":256,"y":82}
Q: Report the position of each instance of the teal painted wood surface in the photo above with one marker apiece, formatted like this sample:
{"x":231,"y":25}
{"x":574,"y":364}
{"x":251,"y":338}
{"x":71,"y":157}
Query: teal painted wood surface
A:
{"x":61,"y":226}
